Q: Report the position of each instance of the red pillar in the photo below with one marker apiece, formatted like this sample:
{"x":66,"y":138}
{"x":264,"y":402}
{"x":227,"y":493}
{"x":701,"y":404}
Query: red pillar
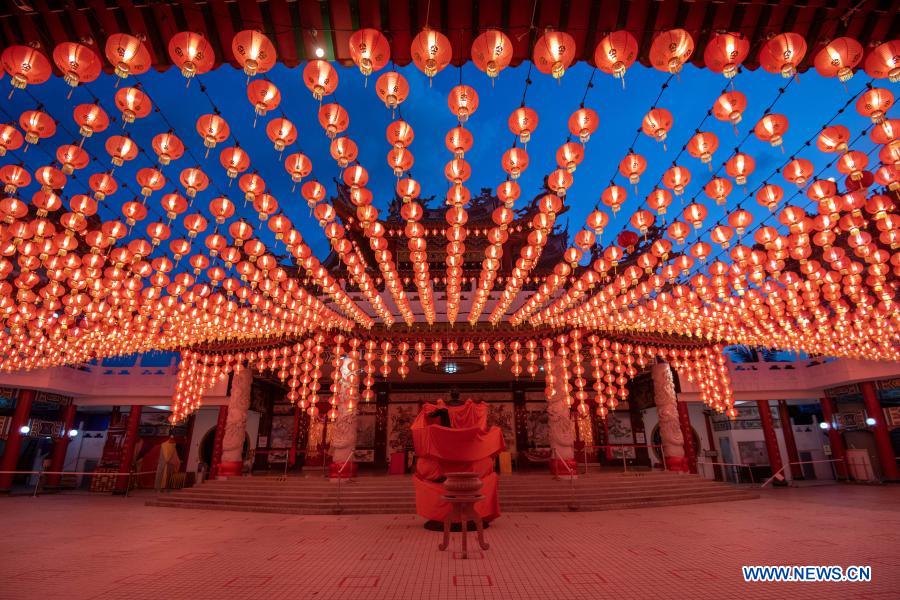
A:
{"x":768,"y":427}
{"x":131,"y":434}
{"x":10,"y":459}
{"x":216,"y":457}
{"x":790,"y":443}
{"x":684,"y":419}
{"x":60,"y":445}
{"x":882,"y":438}
{"x":835,"y":439}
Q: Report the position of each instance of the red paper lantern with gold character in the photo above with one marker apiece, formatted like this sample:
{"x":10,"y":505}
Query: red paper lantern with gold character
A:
{"x":431,"y":51}
{"x":392,"y":88}
{"x":884,"y":61}
{"x":657,"y":123}
{"x":213,"y":129}
{"x":400,"y":134}
{"x":370,"y":50}
{"x":264,"y":96}
{"x":703,"y":145}
{"x":459,"y":141}
{"x":798,"y":171}
{"x":320,"y":77}
{"x":553,"y":53}
{"x":783,"y":53}
{"x":583,"y":123}
{"x":522,"y":122}
{"x":37,"y":125}
{"x":191,"y":53}
{"x":874,"y":103}
{"x":615,"y":53}
{"x":127,"y":54}
{"x":343,"y":151}
{"x":676,"y":178}
{"x":740,"y":166}
{"x":120,"y":149}
{"x":281,"y":132}
{"x":718,"y":189}
{"x":168,"y":147}
{"x":133,"y":103}
{"x":234,"y":160}
{"x":253,"y":51}
{"x":10,"y":139}
{"x":25,"y":65}
{"x":78,"y":63}
{"x":730,"y":106}
{"x":90,"y":118}
{"x":725,"y":52}
{"x":771,"y":128}
{"x":838,"y":58}
{"x":671,"y":49}
{"x":632,"y":167}
{"x":463,"y":102}
{"x":333,"y":119}
{"x":492,"y":52}
{"x":72,"y":157}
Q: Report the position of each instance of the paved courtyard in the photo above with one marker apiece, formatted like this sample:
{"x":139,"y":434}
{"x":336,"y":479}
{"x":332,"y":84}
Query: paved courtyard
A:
{"x":77,"y":547}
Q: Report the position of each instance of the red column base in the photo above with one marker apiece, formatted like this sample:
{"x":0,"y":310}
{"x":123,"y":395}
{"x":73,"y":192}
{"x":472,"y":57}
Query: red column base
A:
{"x":558,"y":467}
{"x":342,"y":471}
{"x":231,"y":468}
{"x":677,"y":463}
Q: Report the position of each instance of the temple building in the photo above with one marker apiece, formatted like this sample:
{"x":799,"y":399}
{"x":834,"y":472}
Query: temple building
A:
{"x":449,"y":299}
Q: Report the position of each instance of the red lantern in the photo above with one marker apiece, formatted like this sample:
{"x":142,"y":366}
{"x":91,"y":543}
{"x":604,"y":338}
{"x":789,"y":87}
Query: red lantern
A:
{"x":718,"y":190}
{"x":614,"y":196}
{"x":569,"y":156}
{"x":553,"y":53}
{"x":659,"y":200}
{"x":463,"y":102}
{"x":103,"y":185}
{"x":370,"y":50}
{"x":121,"y":148}
{"x":235,"y":161}
{"x":514,"y":161}
{"x":782,"y":53}
{"x":194,"y":180}
{"x":392,"y":88}
{"x":400,"y":160}
{"x":321,"y":78}
{"x":399,"y":134}
{"x":492,"y":52}
{"x":874,"y":104}
{"x":10,"y":139}
{"x":522,"y":122}
{"x":343,"y":151}
{"x":90,"y":118}
{"x":459,"y":141}
{"x":632,"y":167}
{"x":264,"y":96}
{"x":431,"y":51}
{"x":676,"y":178}
{"x":37,"y":125}
{"x":740,"y":166}
{"x":657,"y":123}
{"x":616,"y":53}
{"x":174,"y":205}
{"x":703,"y":145}
{"x":771,"y":128}
{"x":251,"y":184}
{"x":253,"y":51}
{"x":730,"y":106}
{"x":25,"y":65}
{"x":78,"y":63}
{"x":133,"y":103}
{"x":798,"y":171}
{"x":884,"y":61}
{"x":71,"y":157}
{"x":127,"y":54}
{"x":725,"y":52}
{"x":298,"y":166}
{"x":769,"y":196}
{"x":191,"y":53}
{"x":838,"y":58}
{"x":333,"y":119}
{"x":168,"y":147}
{"x":282,"y":132}
{"x":833,"y":138}
{"x":671,"y":49}
{"x":583,"y":123}
{"x":213,"y":129}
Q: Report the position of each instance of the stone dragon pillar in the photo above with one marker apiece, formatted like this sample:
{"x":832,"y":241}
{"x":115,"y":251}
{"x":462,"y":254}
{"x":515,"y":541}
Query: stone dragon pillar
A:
{"x":236,"y":424}
{"x":343,"y":430}
{"x":667,"y":409}
{"x":562,"y":429}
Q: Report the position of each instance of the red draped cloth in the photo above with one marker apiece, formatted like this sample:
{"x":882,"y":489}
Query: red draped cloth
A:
{"x":468,"y":446}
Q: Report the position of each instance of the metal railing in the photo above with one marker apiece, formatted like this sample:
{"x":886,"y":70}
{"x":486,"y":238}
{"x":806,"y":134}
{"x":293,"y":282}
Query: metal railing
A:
{"x":734,"y":465}
{"x":777,"y":473}
{"x":339,"y":508}
{"x":573,"y":505}
{"x":624,"y":457}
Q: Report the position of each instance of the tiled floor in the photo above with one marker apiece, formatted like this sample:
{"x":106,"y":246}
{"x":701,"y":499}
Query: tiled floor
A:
{"x":84,"y":547}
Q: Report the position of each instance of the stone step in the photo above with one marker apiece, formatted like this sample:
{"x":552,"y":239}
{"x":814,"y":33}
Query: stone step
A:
{"x":406,"y":509}
{"x":375,"y":497}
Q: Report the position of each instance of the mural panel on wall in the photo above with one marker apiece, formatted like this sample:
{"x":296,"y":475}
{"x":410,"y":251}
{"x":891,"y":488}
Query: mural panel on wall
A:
{"x":620,"y":433}
{"x":365,"y":433}
{"x":537,"y":422}
{"x":400,"y":417}
{"x":753,"y":453}
{"x":502,"y":415}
